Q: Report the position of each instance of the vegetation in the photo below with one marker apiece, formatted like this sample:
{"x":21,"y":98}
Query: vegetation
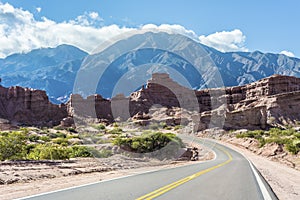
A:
{"x":12,"y":145}
{"x":148,"y":142}
{"x":287,"y":137}
{"x":24,"y":145}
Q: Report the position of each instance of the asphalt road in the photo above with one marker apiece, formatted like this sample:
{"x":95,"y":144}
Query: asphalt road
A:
{"x":229,"y":176}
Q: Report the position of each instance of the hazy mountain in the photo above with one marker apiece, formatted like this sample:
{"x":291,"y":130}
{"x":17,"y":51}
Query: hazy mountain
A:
{"x":50,"y":69}
{"x":55,"y":69}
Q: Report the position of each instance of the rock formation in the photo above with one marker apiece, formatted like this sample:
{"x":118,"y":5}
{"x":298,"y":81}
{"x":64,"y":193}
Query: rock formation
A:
{"x":23,"y":106}
{"x":273,"y":101}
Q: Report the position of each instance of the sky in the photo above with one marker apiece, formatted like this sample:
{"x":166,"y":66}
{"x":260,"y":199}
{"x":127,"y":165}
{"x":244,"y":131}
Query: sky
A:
{"x":231,"y":25}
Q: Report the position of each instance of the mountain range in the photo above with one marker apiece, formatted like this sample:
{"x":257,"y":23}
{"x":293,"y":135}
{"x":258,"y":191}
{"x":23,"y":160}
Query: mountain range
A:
{"x":55,"y":69}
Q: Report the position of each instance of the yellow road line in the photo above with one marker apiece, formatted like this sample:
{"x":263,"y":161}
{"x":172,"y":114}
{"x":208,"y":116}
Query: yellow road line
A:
{"x":173,"y":185}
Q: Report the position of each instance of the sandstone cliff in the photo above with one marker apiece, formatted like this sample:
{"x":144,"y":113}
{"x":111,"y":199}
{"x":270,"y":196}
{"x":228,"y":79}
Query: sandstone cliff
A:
{"x":24,"y":106}
{"x":273,"y":101}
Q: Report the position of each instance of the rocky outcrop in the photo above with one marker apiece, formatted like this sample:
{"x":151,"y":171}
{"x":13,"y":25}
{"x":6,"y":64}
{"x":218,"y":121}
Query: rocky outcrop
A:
{"x":273,"y":101}
{"x":24,"y":106}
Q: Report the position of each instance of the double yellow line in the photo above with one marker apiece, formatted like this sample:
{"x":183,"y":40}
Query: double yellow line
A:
{"x":173,"y":185}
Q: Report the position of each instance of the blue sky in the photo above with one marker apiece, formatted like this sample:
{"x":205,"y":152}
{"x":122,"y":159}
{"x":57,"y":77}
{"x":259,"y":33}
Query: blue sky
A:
{"x":268,"y":25}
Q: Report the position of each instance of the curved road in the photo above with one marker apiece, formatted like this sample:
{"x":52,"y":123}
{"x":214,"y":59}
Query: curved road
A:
{"x":229,"y":176}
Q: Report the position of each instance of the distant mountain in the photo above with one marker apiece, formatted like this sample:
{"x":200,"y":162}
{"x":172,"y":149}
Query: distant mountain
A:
{"x":55,"y":69}
{"x":50,"y":69}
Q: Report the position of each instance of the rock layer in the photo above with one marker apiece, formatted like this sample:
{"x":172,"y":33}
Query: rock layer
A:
{"x":273,"y":101}
{"x":23,"y":106}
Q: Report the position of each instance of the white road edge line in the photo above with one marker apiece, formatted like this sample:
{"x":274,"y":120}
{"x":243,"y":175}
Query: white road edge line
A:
{"x":135,"y":174}
{"x":261,"y":185}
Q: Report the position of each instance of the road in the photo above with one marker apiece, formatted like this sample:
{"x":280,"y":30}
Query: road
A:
{"x":228,"y":176}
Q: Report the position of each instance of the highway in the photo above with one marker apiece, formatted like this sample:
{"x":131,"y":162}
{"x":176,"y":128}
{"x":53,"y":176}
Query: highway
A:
{"x":229,"y":176}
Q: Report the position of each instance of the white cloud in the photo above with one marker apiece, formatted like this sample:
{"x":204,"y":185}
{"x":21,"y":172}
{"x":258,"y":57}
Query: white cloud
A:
{"x":38,"y":9}
{"x":225,"y":41}
{"x":21,"y":32}
{"x":87,"y":19}
{"x":287,"y":53}
{"x":94,"y":15}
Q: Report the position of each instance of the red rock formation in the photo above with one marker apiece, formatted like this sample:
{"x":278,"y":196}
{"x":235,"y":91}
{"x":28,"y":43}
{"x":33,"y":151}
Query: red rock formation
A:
{"x":273,"y":101}
{"x":29,"y":107}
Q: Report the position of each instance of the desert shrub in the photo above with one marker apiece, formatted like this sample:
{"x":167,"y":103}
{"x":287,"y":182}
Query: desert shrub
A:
{"x":100,"y":126}
{"x":280,"y":132}
{"x":49,"y":152}
{"x":61,"y":141}
{"x":297,"y":135}
{"x":33,"y":138}
{"x":57,"y":135}
{"x":148,"y":142}
{"x":72,"y":136}
{"x":12,"y":145}
{"x":80,"y":151}
{"x":115,"y":131}
{"x":251,"y":134}
{"x":45,"y":138}
{"x":293,"y":146}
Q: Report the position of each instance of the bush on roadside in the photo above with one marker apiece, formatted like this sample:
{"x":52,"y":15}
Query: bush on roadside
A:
{"x":12,"y":145}
{"x":148,"y":142}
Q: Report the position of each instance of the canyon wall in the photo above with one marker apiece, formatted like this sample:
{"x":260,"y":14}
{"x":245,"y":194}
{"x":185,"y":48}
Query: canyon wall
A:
{"x":24,"y":106}
{"x":273,"y":101}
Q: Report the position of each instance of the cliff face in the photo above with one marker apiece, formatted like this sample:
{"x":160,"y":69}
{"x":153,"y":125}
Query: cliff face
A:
{"x":29,"y":107}
{"x":273,"y":101}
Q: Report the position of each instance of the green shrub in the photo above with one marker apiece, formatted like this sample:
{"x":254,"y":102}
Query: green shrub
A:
{"x":293,"y":146}
{"x":80,"y":151}
{"x":148,"y":142}
{"x":100,"y":126}
{"x":72,"y":136}
{"x":57,"y":135}
{"x":33,"y":138}
{"x":61,"y":141}
{"x":45,"y":138}
{"x":12,"y":145}
{"x":49,"y":152}
{"x":115,"y":131}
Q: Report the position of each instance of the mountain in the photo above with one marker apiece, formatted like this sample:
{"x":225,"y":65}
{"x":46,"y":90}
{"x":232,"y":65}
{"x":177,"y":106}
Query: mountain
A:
{"x":50,"y":69}
{"x":119,"y":69}
{"x":128,"y":71}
